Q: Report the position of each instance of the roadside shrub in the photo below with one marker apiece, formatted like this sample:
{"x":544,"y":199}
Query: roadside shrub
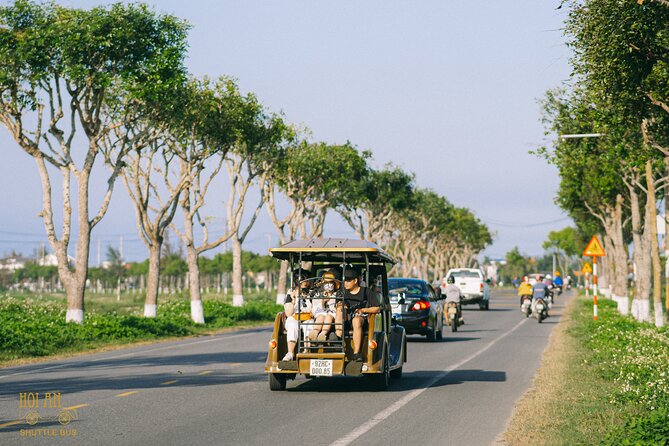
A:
{"x":36,"y":328}
{"x":651,"y":429}
{"x":635,"y":356}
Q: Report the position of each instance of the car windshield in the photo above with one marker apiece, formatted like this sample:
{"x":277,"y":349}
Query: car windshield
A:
{"x":411,"y":288}
{"x":460,"y":274}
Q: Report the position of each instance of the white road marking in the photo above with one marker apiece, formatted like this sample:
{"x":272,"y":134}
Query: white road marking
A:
{"x":379,"y":417}
{"x":188,"y":344}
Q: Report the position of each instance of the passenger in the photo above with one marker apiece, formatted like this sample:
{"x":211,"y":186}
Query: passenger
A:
{"x":525,"y":289}
{"x":324,"y":308}
{"x":299,"y":295}
{"x":454,"y":294}
{"x":360,"y":302}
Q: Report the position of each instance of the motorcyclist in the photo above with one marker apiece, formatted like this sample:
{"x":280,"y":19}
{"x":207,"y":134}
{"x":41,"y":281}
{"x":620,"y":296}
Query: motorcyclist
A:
{"x":548,"y":280}
{"x":524,"y":289}
{"x":453,"y":294}
{"x":558,"y":282}
{"x":540,"y":291}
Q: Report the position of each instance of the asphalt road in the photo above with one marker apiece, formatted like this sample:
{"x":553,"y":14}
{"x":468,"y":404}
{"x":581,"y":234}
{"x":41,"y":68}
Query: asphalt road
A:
{"x":212,"y":390}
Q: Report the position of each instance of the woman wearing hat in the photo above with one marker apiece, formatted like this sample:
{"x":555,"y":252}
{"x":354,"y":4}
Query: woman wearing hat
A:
{"x":324,"y":308}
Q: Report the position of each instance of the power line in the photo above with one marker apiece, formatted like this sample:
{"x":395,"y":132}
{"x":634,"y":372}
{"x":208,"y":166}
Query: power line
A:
{"x":522,"y":225}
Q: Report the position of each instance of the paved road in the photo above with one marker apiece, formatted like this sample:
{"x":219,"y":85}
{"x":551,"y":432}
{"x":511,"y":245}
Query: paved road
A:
{"x":212,"y":390}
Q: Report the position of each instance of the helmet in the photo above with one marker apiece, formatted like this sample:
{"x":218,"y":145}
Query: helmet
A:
{"x":450,"y":279}
{"x":549,"y":277}
{"x":526,"y":279}
{"x":557,"y":273}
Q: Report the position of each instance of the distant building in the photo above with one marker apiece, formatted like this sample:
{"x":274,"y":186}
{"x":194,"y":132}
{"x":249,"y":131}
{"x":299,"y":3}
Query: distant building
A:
{"x":52,"y":260}
{"x":13,"y":263}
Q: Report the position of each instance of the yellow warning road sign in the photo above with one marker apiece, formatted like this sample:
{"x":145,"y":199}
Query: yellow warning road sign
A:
{"x":587,"y":269}
{"x":594,"y":248}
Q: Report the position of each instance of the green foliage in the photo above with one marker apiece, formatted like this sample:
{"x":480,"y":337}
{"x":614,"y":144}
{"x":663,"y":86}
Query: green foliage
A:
{"x":634,"y":357}
{"x":517,"y":265}
{"x":651,"y":429}
{"x":33,"y":328}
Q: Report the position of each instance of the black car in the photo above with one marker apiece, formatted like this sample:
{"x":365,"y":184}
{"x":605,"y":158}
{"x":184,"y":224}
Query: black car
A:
{"x":417,"y":307}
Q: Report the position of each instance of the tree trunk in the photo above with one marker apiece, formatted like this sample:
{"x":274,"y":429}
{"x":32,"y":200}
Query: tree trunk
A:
{"x":196,"y":311}
{"x":655,"y":252}
{"x":281,"y":290}
{"x":640,"y":236}
{"x":619,"y":258}
{"x":152,"y":281}
{"x":237,"y":285}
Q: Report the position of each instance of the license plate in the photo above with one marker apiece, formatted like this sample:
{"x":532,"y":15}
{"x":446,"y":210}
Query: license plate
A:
{"x":321,"y":367}
{"x":396,"y":308}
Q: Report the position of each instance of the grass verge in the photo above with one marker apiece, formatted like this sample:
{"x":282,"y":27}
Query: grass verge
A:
{"x":601,"y":382}
{"x":36,"y":328}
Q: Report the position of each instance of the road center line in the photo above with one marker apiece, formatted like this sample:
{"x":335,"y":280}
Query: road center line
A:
{"x":188,"y":344}
{"x":75,"y":407}
{"x":379,"y":417}
{"x":132,"y":392}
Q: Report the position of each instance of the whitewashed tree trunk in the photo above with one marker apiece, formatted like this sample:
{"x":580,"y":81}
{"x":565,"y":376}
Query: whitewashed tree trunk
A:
{"x":196,"y":311}
{"x":152,"y":282}
{"x":655,"y":253}
{"x":237,"y":285}
{"x":641,"y":238}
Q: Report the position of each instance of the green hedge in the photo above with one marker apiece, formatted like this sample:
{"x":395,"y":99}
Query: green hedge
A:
{"x":31,"y":328}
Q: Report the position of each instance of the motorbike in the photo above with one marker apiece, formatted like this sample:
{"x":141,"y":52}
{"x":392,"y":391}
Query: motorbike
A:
{"x":558,"y":289}
{"x":549,"y":296}
{"x":540,"y":309}
{"x":526,"y":306}
{"x":453,"y":317}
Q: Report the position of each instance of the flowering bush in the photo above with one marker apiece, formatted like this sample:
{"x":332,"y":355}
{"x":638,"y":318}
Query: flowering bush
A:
{"x":635,"y":356}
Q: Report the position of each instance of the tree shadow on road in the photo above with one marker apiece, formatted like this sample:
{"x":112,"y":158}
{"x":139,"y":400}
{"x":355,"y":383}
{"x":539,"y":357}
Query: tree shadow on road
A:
{"x":409,"y":381}
{"x":81,"y":383}
{"x":446,"y":338}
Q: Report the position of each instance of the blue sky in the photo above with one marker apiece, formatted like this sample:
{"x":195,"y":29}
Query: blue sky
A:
{"x":447,"y":90}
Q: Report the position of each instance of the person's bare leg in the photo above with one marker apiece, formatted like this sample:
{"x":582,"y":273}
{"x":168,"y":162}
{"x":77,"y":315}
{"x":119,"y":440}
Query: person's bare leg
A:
{"x":327,"y":326}
{"x":317,"y":327}
{"x":357,"y":334}
{"x":339,"y":317}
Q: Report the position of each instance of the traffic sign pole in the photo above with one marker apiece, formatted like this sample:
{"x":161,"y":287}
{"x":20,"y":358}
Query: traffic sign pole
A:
{"x":594,"y":286}
{"x":594,"y":250}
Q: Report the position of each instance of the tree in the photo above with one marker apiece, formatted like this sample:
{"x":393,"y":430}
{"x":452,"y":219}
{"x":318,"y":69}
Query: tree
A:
{"x":116,"y":267}
{"x":313,"y":177}
{"x":621,"y":90}
{"x":565,"y":243}
{"x":65,"y":72}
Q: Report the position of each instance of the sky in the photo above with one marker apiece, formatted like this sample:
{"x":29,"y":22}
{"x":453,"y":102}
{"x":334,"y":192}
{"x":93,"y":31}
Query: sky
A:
{"x":447,"y":90}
